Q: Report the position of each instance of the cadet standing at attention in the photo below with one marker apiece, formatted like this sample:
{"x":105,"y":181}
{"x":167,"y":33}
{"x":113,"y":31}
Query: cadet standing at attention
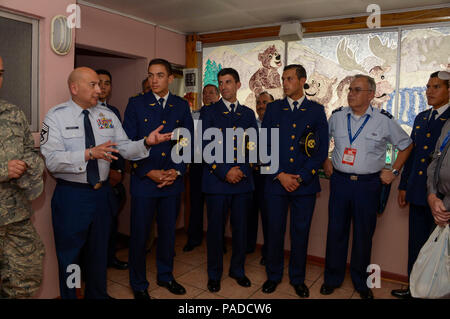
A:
{"x":413,"y":185}
{"x":361,"y":133}
{"x":78,"y":141}
{"x":157,"y":181}
{"x":228,"y":184}
{"x":21,"y":167}
{"x":296,"y":182}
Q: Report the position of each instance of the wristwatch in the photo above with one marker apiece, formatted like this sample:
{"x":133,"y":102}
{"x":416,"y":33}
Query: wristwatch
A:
{"x":145,"y":143}
{"x":300,"y":180}
{"x":395,"y":172}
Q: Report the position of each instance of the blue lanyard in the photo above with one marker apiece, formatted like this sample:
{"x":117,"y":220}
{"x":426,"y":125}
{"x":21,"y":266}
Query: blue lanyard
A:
{"x":446,"y":139}
{"x":352,"y":139}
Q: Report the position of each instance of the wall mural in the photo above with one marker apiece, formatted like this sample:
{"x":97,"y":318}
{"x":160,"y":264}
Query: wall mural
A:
{"x":330,"y":61}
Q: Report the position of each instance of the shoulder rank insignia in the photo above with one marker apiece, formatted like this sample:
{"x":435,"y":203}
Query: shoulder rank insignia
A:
{"x":384,"y":112}
{"x":337,"y":110}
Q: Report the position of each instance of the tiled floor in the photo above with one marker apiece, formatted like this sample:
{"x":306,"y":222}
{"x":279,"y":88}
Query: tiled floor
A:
{"x":190,"y":271}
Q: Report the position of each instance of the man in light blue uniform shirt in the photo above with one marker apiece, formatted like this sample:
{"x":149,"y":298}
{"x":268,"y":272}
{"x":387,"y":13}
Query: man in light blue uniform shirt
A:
{"x":361,"y":133}
{"x":78,"y":140}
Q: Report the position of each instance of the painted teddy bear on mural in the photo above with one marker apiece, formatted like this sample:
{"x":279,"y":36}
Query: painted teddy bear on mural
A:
{"x":267,"y":76}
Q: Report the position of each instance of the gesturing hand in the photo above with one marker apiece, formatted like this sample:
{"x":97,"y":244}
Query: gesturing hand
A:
{"x":155,"y":137}
{"x":16,"y":168}
{"x":103,"y":151}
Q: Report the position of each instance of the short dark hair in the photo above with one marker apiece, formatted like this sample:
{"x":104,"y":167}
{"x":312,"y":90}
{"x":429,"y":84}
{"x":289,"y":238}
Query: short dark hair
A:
{"x":299,"y":70}
{"x":162,"y":62}
{"x":105,"y":72}
{"x":435,"y":75}
{"x":265,"y":92}
{"x":231,"y":72}
{"x":215,"y":88}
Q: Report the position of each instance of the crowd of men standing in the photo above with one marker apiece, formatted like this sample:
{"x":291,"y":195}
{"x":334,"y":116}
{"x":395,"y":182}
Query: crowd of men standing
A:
{"x":84,"y":144}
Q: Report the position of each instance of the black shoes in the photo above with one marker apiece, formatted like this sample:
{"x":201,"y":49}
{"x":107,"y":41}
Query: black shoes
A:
{"x":242,"y":281}
{"x":301,"y":290}
{"x":326,"y":290}
{"x":189,"y":247}
{"x":117,"y":264}
{"x":141,"y":294}
{"x":269,"y":286}
{"x":172,"y":286}
{"x":401,"y":293}
{"x":366,"y":294}
{"x":213,"y":285}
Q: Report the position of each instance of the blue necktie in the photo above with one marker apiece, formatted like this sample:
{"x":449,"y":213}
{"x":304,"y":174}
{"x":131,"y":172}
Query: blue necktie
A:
{"x":92,"y":165}
{"x":232,"y":108}
{"x":432,"y":118}
{"x":295,"y":105}
{"x":161,"y":102}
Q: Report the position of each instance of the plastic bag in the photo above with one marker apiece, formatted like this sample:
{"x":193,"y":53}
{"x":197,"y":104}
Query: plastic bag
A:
{"x":430,"y":276}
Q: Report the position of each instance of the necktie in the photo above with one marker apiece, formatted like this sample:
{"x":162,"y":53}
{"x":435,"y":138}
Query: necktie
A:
{"x":433,"y":117}
{"x":103,"y":103}
{"x":92,"y":166}
{"x":232,"y":108}
{"x":161,"y":102}
{"x":295,"y":105}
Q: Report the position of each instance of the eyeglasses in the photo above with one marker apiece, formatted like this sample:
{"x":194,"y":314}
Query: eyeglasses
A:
{"x":356,"y":90}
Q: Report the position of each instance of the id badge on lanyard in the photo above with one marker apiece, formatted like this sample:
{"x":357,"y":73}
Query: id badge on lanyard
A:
{"x":349,"y":155}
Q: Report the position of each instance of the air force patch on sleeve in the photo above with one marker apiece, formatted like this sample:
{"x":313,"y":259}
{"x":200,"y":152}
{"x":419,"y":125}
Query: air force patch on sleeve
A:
{"x":44,"y":133}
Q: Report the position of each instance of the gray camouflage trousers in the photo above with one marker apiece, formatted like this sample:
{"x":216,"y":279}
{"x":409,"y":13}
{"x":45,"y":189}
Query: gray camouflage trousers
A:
{"x":21,"y":255}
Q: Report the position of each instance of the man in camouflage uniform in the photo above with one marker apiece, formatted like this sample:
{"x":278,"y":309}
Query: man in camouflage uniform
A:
{"x":21,"y":249}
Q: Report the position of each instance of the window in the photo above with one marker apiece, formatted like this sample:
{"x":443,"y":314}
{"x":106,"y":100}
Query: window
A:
{"x":19,"y":50}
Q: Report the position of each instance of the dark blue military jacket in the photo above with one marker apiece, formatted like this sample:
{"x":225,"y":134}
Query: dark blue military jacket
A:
{"x":214,"y":173}
{"x":143,"y":115}
{"x":309,"y":116}
{"x":414,"y":175}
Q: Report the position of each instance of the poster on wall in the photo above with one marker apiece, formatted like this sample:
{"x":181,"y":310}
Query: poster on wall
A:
{"x":259,"y":64}
{"x":423,"y":51}
{"x":331,"y":61}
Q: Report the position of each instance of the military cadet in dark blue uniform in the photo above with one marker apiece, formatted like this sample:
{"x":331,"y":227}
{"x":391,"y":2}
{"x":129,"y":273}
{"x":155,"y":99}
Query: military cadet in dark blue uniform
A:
{"x":413,"y":185}
{"x":361,"y":133}
{"x":116,"y":170}
{"x":77,"y":142}
{"x":210,"y":95}
{"x":296,"y":182}
{"x":156,"y":182}
{"x":228,"y":181}
{"x":258,"y":195}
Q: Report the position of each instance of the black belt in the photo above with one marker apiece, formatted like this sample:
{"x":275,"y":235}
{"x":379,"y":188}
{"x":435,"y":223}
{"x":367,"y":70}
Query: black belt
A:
{"x":81,"y":185}
{"x":358,"y":177}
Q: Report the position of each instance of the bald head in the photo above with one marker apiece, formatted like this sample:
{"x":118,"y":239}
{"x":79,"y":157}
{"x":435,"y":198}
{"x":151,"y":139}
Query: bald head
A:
{"x":84,"y":87}
{"x":2,"y":70}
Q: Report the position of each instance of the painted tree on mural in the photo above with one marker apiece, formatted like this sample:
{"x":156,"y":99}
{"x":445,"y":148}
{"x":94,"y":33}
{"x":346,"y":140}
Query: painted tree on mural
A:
{"x":211,"y":71}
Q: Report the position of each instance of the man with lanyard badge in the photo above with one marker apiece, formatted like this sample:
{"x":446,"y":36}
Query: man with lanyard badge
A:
{"x":361,"y":133}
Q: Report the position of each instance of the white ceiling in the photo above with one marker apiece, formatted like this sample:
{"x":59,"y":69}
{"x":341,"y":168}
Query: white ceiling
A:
{"x":203,"y":16}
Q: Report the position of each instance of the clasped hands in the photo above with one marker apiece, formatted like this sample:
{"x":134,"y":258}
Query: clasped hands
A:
{"x":163,"y":177}
{"x":234,"y":175}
